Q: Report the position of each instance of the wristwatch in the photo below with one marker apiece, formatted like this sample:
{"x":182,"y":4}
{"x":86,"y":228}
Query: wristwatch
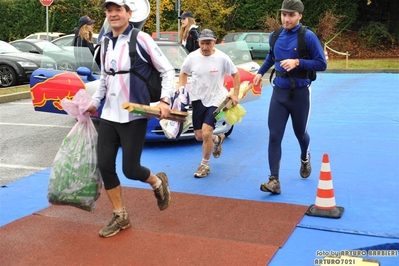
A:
{"x":166,"y":100}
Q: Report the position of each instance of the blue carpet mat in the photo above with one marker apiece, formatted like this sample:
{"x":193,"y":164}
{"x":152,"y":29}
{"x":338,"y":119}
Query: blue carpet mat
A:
{"x":354,"y":119}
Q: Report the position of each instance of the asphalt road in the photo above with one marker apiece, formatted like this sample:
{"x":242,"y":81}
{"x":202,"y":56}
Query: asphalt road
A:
{"x":29,"y":140}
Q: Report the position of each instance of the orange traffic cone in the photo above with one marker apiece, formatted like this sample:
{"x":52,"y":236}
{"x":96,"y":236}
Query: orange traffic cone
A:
{"x":325,"y":200}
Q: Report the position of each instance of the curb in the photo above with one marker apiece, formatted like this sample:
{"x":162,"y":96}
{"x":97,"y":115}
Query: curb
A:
{"x":14,"y":97}
{"x":360,"y":71}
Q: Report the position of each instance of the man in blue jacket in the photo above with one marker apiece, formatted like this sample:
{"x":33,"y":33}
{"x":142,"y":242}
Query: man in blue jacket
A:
{"x":291,"y":89}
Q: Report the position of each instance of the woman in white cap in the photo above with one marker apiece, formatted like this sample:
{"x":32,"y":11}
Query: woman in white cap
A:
{"x":189,"y":32}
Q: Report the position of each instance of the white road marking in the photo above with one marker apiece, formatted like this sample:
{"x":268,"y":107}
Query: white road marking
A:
{"x":21,"y":167}
{"x":24,"y":103}
{"x":32,"y":125}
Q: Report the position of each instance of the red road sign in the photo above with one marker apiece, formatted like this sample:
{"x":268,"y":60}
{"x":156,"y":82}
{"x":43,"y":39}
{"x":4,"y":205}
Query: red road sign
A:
{"x":46,"y":2}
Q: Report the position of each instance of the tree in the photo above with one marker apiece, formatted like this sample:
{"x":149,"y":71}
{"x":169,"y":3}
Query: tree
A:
{"x":210,"y":14}
{"x":221,"y":16}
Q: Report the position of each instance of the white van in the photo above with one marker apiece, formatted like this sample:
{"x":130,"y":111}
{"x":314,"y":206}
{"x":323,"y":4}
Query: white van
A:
{"x":44,"y":36}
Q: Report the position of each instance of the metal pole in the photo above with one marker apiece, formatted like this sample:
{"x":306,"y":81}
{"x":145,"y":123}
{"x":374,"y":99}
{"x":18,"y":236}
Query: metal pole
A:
{"x":157,"y":18}
{"x":47,"y":22}
{"x":178,"y":20}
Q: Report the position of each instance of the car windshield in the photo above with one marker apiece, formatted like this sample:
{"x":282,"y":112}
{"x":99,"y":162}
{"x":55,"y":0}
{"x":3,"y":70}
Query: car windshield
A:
{"x":237,"y":51}
{"x":48,"y":46}
{"x":6,"y":48}
{"x":68,"y":39}
{"x":175,"y":54}
{"x":70,"y":58}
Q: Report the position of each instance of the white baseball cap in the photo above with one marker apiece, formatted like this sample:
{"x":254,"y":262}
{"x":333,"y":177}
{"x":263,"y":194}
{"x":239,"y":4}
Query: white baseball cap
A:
{"x":116,"y":2}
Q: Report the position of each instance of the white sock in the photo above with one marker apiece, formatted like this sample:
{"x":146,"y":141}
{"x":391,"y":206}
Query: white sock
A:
{"x":120,"y":211}
{"x":157,"y":184}
{"x":204,"y":161}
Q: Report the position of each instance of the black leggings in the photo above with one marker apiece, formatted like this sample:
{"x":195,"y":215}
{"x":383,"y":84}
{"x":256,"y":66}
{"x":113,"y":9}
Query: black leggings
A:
{"x":130,"y":137}
{"x":281,"y":107}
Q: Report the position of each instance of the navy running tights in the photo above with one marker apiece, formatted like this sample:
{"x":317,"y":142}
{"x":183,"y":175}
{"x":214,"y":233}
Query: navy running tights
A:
{"x":281,"y":108}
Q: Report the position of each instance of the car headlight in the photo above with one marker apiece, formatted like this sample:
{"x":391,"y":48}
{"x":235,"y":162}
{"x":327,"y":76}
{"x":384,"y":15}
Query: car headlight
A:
{"x":27,"y":64}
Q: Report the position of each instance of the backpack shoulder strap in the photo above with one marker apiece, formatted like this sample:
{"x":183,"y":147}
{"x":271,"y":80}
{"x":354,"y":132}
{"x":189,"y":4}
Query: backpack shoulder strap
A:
{"x":133,"y":54}
{"x":132,"y":47}
{"x":301,"y":42}
{"x":273,"y":40}
{"x":105,"y":43}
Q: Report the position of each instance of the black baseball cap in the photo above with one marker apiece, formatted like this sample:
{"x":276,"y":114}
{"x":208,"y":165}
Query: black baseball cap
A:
{"x":292,"y":6}
{"x":85,"y":20}
{"x":187,"y":14}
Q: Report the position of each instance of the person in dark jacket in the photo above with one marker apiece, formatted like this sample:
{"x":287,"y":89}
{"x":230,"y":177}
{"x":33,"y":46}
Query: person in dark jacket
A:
{"x":84,"y":38}
{"x":189,"y":32}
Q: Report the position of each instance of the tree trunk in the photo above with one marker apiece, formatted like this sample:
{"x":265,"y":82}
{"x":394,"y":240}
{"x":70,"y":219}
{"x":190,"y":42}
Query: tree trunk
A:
{"x":394,"y":18}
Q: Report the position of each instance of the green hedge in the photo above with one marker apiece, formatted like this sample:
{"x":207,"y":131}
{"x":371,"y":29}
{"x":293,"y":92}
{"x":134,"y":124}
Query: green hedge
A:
{"x":22,"y":17}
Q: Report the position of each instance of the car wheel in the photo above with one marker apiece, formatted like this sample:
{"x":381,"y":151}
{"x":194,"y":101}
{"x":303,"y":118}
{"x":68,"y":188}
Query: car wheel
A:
{"x":229,"y":132}
{"x":8,"y":77}
{"x":66,"y":66}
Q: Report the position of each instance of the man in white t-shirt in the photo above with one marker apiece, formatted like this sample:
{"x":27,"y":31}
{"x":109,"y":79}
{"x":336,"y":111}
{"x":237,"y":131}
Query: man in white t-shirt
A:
{"x":208,"y":67}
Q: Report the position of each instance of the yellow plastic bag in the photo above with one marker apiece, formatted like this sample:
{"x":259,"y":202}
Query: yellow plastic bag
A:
{"x":234,"y":114}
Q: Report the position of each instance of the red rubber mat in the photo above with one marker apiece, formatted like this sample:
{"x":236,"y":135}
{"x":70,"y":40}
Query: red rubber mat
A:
{"x":194,"y":230}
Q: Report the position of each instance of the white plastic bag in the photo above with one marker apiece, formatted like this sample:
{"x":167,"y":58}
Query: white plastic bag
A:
{"x":75,"y":178}
{"x":180,"y":102}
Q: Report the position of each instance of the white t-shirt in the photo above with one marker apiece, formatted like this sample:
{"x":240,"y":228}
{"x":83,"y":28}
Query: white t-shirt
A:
{"x":208,"y":72}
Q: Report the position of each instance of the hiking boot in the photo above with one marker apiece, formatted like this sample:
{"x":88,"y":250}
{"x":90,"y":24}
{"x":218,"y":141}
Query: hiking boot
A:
{"x":202,"y":171}
{"x":306,"y":169}
{"x":162,"y":193}
{"x":119,"y":221}
{"x":272,"y":186}
{"x":217,"y":148}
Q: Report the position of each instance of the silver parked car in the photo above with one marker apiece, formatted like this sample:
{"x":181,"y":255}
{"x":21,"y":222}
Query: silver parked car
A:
{"x":16,"y":66}
{"x":68,"y":39}
{"x":64,"y":57}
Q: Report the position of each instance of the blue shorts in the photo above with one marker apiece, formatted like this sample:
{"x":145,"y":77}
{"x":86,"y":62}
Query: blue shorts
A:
{"x":202,"y":115}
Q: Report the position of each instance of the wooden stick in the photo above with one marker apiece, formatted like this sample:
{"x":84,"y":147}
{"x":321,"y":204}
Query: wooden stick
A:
{"x":227,"y":104}
{"x":136,"y":108}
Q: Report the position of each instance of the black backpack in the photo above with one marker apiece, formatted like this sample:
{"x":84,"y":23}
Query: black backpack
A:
{"x":302,"y":53}
{"x":154,"y":82}
{"x":192,"y":40}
